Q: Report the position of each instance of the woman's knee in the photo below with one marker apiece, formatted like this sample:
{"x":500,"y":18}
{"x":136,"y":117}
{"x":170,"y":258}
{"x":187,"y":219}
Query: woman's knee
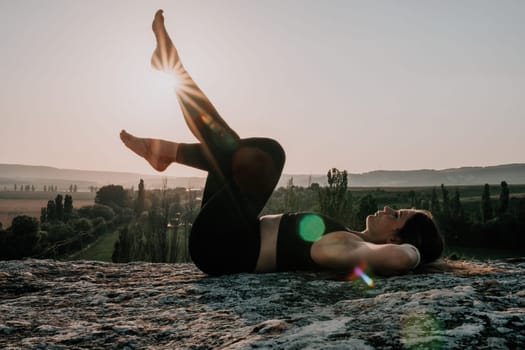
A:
{"x":268,"y":146}
{"x":257,"y":165}
{"x":254,"y":170}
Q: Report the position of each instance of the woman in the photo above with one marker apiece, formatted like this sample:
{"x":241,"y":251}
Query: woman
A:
{"x":228,"y":236}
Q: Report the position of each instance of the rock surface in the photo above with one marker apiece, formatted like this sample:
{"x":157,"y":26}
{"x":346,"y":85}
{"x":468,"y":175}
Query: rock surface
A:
{"x":47,"y":304}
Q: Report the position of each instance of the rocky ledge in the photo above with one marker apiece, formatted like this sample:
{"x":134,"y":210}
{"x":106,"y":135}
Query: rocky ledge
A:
{"x":47,"y":304}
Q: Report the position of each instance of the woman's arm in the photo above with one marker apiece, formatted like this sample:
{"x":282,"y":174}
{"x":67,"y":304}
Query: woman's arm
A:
{"x":341,"y":251}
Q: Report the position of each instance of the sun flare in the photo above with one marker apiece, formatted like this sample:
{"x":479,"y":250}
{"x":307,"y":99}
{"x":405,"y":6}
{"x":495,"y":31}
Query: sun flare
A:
{"x":170,"y":80}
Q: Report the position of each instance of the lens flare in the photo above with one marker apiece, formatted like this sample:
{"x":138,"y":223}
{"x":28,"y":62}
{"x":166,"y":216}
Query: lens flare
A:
{"x":211,"y":123}
{"x":168,"y":83}
{"x":359,"y":272}
{"x":364,"y":276}
{"x":311,"y":227}
{"x":218,"y":132}
{"x":178,"y":80}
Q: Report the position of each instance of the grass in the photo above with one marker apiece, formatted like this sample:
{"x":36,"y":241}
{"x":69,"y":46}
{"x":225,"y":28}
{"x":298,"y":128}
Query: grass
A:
{"x":469,"y":253}
{"x":100,"y":250}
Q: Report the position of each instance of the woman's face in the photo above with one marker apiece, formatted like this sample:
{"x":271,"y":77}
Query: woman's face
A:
{"x":382,"y":226}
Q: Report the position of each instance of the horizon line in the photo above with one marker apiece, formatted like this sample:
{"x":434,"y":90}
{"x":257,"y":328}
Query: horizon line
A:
{"x":287,"y":174}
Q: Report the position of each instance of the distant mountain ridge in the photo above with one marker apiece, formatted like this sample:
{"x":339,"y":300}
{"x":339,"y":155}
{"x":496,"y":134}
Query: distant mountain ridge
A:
{"x":11,"y":174}
{"x":511,"y":173}
{"x":28,"y":174}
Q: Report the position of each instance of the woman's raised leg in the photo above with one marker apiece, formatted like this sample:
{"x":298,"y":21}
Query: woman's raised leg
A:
{"x":250,"y":166}
{"x":199,"y":113}
{"x":254,"y":165}
{"x":242,"y":173}
{"x":161,"y":153}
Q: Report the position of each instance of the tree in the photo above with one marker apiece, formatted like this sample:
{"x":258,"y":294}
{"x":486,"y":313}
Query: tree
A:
{"x":141,"y":198}
{"x":112,"y":195}
{"x":290,"y":196}
{"x":334,"y":200}
{"x":446,"y":201}
{"x":521,"y":210}
{"x":59,"y":231}
{"x":367,"y":206}
{"x":412,"y":196}
{"x":503,"y":198}
{"x":24,"y":231}
{"x":521,"y":219}
{"x":455,"y":226}
{"x":174,"y":209}
{"x":434,"y":202}
{"x":456,"y":209}
{"x":59,"y":207}
{"x":82,"y":225}
{"x":43,"y":215}
{"x":190,"y":209}
{"x":51,"y":211}
{"x":486,"y":205}
{"x":165,"y":205}
{"x":68,"y":207}
{"x":95,"y":211}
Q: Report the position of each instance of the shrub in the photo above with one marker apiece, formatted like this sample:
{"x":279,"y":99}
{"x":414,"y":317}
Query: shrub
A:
{"x":82,"y":225}
{"x":96,"y":210}
{"x":23,"y":235}
{"x":59,"y":231}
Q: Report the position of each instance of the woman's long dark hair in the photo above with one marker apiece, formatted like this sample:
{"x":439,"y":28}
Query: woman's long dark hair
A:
{"x":421,"y":231}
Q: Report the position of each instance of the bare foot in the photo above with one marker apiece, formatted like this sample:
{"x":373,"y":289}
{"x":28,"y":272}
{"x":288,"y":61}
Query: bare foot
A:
{"x":165,"y":56}
{"x":159,"y":153}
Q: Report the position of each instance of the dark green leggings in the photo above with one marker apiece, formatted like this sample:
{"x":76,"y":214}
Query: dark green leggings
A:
{"x":225,"y":236}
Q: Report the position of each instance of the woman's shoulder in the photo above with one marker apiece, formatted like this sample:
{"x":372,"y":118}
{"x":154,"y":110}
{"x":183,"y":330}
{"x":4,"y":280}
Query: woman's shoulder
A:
{"x":413,"y":252}
{"x":390,"y":259}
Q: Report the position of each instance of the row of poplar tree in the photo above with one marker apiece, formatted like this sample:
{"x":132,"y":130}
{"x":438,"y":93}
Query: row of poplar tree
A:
{"x":45,"y":188}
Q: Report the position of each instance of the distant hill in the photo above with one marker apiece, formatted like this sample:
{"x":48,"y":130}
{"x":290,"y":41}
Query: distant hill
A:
{"x":512,"y":173}
{"x":11,"y":174}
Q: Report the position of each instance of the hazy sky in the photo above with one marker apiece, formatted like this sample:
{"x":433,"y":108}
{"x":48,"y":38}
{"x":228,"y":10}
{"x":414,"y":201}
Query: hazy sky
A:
{"x":357,"y":85}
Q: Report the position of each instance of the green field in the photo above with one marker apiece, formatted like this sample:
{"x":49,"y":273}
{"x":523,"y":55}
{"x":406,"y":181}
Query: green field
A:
{"x":100,"y":250}
{"x":468,"y":253}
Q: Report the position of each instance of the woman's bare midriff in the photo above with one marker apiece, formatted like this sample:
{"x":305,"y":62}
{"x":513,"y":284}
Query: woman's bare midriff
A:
{"x":267,"y":260}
